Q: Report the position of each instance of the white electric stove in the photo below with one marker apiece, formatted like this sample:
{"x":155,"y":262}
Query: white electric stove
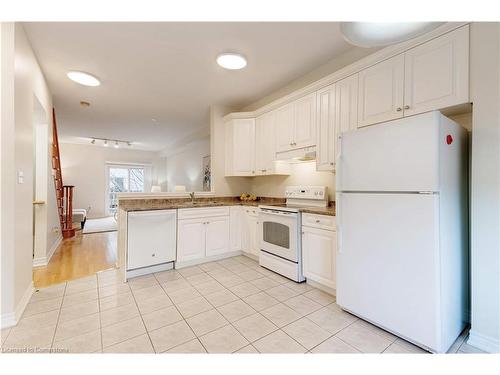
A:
{"x":280,"y":230}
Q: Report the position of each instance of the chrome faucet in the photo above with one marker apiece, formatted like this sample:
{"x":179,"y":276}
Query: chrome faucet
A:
{"x":192,"y":196}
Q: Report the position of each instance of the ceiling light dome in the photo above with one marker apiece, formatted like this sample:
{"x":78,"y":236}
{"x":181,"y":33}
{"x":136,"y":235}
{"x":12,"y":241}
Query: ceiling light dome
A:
{"x":83,"y":78}
{"x":377,"y":34}
{"x":231,"y":61}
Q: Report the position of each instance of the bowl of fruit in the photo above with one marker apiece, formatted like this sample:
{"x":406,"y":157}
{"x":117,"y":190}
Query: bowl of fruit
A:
{"x":247,"y":197}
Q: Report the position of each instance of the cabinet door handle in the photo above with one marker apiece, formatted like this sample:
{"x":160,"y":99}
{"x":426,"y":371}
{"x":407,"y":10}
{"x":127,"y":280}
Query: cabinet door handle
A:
{"x":399,"y":109}
{"x":332,"y":163}
{"x":407,"y":106}
{"x":153,"y":254}
{"x":318,"y":221}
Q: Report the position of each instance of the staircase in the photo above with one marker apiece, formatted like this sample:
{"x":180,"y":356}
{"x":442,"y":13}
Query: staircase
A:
{"x":64,"y":193}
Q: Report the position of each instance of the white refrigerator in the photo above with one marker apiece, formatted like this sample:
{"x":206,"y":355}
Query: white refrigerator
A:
{"x":402,"y":217}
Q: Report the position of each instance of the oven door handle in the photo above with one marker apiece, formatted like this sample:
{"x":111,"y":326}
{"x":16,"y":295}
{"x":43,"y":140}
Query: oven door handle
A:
{"x":281,"y":213}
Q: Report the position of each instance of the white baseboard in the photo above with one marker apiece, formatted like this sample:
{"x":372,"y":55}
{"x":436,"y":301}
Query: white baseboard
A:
{"x":43,"y":261}
{"x":322,"y":287}
{"x":207,"y":259}
{"x":148,"y":270}
{"x":10,"y":319}
{"x":486,"y":343}
{"x":54,"y":247}
{"x":251,"y":256}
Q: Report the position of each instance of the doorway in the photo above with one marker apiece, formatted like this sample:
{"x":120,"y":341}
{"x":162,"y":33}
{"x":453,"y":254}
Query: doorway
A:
{"x":40,"y":183}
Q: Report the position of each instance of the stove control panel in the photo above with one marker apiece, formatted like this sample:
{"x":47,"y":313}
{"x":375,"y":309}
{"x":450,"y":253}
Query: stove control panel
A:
{"x":306,"y":192}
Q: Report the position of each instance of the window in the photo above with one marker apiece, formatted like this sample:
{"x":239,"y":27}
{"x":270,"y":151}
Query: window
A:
{"x":124,"y":179}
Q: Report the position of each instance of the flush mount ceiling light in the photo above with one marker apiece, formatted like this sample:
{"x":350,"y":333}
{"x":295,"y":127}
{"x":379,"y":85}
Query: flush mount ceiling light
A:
{"x":377,"y":34}
{"x":83,"y":78}
{"x":231,"y":61}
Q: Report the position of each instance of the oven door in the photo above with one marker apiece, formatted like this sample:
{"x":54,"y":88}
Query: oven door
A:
{"x":278,"y":233}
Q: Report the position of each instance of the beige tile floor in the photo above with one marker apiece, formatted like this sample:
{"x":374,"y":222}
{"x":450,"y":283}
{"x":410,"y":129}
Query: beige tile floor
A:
{"x":228,"y":306}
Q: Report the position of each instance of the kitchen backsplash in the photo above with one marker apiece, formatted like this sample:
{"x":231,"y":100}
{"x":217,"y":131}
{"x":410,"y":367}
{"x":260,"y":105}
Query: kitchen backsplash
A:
{"x":301,"y":174}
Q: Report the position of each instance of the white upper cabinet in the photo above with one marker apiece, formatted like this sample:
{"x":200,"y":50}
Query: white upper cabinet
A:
{"x":296,"y":124}
{"x":251,"y":147}
{"x":305,"y":122}
{"x":337,"y":112}
{"x":381,"y":89}
{"x":285,"y":127}
{"x":265,"y":143}
{"x":346,"y":104}
{"x":325,"y":144}
{"x":431,"y":76}
{"x":437,"y":73}
{"x":240,"y":147}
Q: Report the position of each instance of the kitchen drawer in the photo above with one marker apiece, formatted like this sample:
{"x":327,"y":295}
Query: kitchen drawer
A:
{"x":201,"y":212}
{"x":319,"y":221}
{"x":250,"y":210}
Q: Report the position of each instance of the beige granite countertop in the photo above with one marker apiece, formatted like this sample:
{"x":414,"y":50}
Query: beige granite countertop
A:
{"x":176,"y":203}
{"x":330,"y":210}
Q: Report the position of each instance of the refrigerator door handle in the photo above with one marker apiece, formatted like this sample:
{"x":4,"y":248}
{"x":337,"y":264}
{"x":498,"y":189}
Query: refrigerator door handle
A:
{"x":338,"y":185}
{"x":339,"y":239}
{"x":338,"y":222}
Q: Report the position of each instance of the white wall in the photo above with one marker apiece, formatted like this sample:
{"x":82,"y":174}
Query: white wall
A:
{"x":84,"y":166}
{"x":184,"y":165}
{"x":485,"y":187}
{"x":301,"y":174}
{"x":21,"y":81}
{"x":7,"y":160}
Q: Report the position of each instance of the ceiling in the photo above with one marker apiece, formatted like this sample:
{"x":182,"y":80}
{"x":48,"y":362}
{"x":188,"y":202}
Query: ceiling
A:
{"x":167,"y":71}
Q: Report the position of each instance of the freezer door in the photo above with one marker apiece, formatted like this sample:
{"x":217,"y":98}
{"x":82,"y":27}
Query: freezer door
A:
{"x":400,"y":155}
{"x":388,"y":263}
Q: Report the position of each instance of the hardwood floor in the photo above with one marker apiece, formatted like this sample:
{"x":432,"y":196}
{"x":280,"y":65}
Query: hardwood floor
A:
{"x":80,"y":256}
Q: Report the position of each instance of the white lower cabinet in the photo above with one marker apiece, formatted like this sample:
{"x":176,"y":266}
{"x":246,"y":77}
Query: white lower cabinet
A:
{"x":235,"y":228}
{"x":250,"y":243}
{"x":191,"y":240}
{"x":318,"y":250}
{"x":202,"y":237}
{"x":217,"y":236}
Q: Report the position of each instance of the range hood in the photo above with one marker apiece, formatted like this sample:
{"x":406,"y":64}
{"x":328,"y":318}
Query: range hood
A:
{"x":298,"y":155}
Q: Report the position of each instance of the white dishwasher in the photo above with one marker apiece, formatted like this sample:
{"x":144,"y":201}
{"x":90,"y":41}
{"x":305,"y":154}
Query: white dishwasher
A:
{"x":152,"y":240}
